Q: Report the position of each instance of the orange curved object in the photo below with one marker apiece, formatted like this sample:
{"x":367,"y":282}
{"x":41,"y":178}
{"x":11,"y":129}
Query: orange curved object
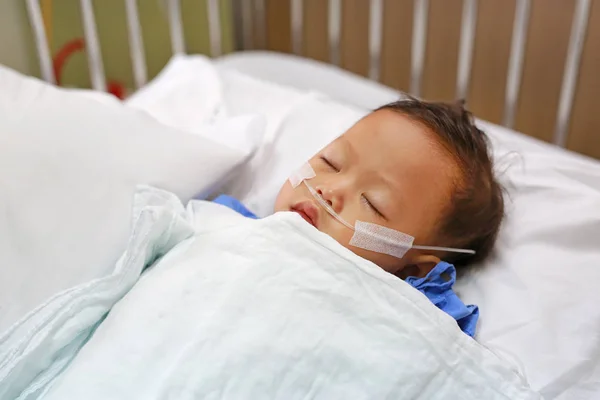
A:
{"x":74,"y":46}
{"x":65,"y":52}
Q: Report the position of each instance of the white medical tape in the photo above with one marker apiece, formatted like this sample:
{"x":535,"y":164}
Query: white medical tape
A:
{"x":305,"y":172}
{"x":368,"y":236}
{"x":380,"y":239}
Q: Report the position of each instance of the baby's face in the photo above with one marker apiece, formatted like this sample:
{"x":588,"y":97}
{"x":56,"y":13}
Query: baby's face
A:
{"x":388,"y":170}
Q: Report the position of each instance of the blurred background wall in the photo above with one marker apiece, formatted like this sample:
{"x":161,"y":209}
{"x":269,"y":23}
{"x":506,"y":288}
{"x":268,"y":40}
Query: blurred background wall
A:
{"x":547,"y":42}
{"x":63,"y":25}
{"x":548,"y":38}
{"x":16,"y":42}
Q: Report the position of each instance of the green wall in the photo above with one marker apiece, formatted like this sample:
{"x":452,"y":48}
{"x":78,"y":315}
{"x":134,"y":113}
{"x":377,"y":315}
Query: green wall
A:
{"x":112,"y":30}
{"x":16,"y":40}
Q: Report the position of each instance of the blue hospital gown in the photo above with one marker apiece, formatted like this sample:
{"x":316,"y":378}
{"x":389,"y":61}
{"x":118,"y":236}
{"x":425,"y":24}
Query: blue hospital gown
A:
{"x":437,"y":285}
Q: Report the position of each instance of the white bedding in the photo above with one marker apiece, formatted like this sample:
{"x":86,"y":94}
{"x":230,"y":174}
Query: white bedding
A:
{"x":34,"y":351}
{"x":68,"y":167}
{"x":305,"y":74}
{"x":239,"y":309}
{"x":538,"y":295}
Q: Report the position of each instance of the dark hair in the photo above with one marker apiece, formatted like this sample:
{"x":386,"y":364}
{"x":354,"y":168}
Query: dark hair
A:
{"x":473,"y":218}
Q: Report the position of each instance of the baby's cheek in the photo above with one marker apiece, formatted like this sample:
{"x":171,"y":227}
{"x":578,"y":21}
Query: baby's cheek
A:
{"x":337,"y":231}
{"x":283,"y":201}
{"x":343,"y":236}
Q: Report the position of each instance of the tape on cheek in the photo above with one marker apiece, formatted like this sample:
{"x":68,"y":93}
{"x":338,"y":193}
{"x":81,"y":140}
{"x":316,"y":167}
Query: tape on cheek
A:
{"x":304,"y":172}
{"x":380,"y":239}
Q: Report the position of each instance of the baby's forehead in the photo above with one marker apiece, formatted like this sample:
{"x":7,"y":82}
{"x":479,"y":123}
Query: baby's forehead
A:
{"x":391,"y":136}
{"x":389,"y":146}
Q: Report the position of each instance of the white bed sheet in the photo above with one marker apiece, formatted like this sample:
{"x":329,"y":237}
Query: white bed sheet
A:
{"x":538,"y":294}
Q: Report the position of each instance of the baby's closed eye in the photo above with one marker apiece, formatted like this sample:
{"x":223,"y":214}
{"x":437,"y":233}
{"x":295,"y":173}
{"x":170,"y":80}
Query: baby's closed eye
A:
{"x":372,"y":206}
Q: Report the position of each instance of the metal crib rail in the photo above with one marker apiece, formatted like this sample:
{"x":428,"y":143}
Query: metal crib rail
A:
{"x":335,"y":28}
{"x":465,"y":52}
{"x":515,"y":63}
{"x":41,"y":41}
{"x":136,"y":44}
{"x":297,"y":23}
{"x":419,"y":43}
{"x":572,"y":63}
{"x":251,"y":15}
{"x":92,"y":46}
{"x":375,"y":38}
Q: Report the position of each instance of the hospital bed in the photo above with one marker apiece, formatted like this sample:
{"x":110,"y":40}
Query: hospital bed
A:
{"x":538,"y":293}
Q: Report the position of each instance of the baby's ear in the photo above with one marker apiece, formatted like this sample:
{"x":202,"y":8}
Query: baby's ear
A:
{"x":419,"y":266}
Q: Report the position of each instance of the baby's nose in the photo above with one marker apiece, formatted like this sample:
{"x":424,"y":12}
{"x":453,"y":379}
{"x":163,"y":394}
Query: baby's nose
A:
{"x":324,"y":197}
{"x":333,"y":196}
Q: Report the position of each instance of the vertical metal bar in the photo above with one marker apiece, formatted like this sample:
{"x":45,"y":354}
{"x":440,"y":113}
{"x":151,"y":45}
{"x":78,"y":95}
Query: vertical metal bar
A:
{"x":247,"y":25}
{"x":419,"y":44}
{"x":214,"y":27}
{"x":238,"y":24}
{"x":176,"y":27}
{"x":136,"y":46}
{"x":92,"y":46}
{"x":261,"y":26}
{"x":569,"y":83}
{"x":375,"y":38}
{"x":297,"y":19}
{"x":335,"y":27}
{"x":465,"y":54}
{"x":41,"y":41}
{"x":515,"y":64}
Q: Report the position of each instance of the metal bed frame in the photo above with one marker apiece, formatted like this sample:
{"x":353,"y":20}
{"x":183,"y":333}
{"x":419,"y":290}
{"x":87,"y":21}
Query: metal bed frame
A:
{"x":250,"y":12}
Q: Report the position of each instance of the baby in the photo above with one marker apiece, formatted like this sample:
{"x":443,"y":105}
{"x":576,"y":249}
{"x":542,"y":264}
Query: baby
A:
{"x":414,"y":167}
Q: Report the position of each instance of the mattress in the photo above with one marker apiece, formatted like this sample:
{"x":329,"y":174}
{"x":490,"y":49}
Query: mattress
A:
{"x":346,"y":87}
{"x":306,"y":74}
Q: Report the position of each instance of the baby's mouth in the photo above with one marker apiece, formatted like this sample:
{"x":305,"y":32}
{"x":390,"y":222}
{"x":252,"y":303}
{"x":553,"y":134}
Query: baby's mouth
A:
{"x":309,"y":211}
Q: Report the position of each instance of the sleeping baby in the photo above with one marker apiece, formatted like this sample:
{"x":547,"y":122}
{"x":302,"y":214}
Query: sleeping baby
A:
{"x":409,"y":185}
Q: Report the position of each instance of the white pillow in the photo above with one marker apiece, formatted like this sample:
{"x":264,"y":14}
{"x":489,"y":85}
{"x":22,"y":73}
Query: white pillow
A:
{"x":302,"y":73}
{"x":190,"y":89}
{"x":539,"y":294}
{"x":68,"y":168}
{"x":298,"y":125}
{"x":185,"y":94}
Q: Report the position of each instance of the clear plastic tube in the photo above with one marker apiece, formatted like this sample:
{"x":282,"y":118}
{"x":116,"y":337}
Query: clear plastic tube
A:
{"x":326,"y":206}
